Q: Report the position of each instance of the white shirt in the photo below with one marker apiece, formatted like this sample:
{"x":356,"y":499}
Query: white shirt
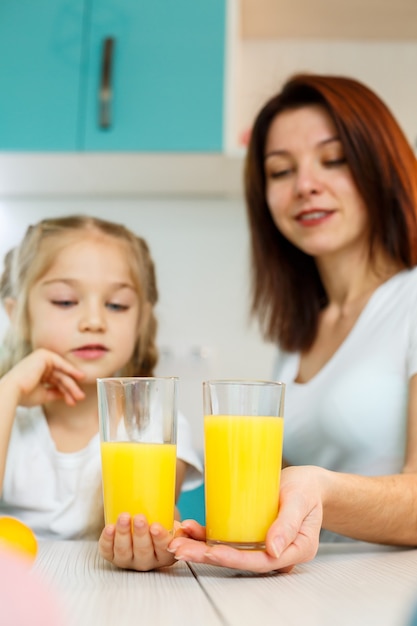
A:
{"x":58,"y":494}
{"x":352,"y":415}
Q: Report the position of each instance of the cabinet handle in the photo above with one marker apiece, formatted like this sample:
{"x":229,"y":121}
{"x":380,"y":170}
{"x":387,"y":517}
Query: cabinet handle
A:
{"x":106,"y":94}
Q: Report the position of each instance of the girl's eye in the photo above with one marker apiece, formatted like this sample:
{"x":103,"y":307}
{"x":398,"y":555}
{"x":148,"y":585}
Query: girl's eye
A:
{"x":65,"y":304}
{"x":114,"y":306}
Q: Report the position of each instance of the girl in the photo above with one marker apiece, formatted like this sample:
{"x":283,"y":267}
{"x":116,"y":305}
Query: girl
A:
{"x":80,"y":293}
{"x":331,"y":193}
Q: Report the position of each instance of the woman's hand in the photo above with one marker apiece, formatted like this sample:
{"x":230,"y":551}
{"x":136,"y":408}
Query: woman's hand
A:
{"x":293,"y":537}
{"x":44,"y":376}
{"x":137,"y":546}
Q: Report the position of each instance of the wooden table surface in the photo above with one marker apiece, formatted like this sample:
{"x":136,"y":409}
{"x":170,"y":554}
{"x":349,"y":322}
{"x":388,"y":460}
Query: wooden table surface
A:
{"x":351,"y":584}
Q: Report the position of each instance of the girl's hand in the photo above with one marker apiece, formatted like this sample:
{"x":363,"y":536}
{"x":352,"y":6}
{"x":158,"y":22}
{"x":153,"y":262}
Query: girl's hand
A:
{"x":142,"y":548}
{"x":43,"y":376}
{"x":293,"y":537}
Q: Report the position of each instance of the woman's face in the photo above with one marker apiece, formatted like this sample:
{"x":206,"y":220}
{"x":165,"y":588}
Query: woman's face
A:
{"x":310,"y":191}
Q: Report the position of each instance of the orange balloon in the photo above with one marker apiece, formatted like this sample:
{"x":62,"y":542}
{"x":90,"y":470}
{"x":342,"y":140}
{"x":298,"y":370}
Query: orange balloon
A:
{"x":17,"y":537}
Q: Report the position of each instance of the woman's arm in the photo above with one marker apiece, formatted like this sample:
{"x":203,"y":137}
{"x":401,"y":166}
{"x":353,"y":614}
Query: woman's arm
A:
{"x":380,"y":509}
{"x":377,"y":509}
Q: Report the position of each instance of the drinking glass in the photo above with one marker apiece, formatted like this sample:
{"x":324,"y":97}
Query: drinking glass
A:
{"x":138,"y":430}
{"x":243,"y":433}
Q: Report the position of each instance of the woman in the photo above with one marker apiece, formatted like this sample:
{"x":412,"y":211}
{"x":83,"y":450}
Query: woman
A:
{"x":331,"y":191}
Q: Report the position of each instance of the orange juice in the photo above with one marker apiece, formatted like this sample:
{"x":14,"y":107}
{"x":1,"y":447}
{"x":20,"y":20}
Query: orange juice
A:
{"x":243,"y":456}
{"x":139,"y":478}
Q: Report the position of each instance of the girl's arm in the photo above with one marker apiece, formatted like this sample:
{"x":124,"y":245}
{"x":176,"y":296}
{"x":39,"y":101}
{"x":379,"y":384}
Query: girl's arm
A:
{"x":40,"y":377}
{"x":9,"y":395}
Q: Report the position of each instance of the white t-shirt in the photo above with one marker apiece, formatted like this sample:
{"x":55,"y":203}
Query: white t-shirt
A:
{"x":59,"y":494}
{"x":352,"y":415}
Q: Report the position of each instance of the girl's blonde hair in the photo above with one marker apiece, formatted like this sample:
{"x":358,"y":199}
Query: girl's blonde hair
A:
{"x":28,"y":262}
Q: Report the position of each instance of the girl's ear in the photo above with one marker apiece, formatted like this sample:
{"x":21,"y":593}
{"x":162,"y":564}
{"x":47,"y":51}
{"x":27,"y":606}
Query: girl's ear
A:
{"x":9,"y":306}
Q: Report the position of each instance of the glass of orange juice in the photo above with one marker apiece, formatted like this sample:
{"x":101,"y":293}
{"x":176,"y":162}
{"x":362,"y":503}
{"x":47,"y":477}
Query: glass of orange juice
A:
{"x":138,"y":430}
{"x":243,"y":433}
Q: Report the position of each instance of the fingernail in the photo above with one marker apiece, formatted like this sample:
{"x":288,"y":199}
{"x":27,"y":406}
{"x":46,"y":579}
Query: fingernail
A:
{"x":139,"y":523}
{"x":109,"y":530}
{"x":277,"y":547}
{"x":124,"y":519}
{"x":210,"y":556}
{"x":180,"y":558}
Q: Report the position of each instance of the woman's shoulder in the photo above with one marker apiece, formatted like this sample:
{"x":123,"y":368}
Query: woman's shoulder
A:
{"x":394,"y":304}
{"x":404,"y":277}
{"x":402,"y":286}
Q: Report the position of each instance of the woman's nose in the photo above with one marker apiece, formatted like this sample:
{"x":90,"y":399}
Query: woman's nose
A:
{"x":307,"y":181}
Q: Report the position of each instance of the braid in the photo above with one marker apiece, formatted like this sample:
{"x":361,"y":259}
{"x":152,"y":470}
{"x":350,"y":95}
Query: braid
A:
{"x":7,"y":282}
{"x":146,"y":353}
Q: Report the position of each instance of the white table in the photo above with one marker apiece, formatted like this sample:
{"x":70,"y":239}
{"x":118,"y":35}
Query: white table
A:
{"x":352,"y":584}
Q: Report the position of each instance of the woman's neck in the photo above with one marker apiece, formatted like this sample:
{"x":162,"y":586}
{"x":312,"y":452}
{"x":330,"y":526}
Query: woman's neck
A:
{"x":349,"y":286}
{"x":350,"y":280}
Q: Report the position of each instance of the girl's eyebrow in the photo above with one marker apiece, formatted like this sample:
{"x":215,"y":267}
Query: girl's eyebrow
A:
{"x":51,"y":281}
{"x":74,"y":281}
{"x":286,"y":152}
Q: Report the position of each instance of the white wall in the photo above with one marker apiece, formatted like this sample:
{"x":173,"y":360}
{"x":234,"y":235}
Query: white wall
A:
{"x":201,"y":252}
{"x":199,"y":244}
{"x":388,"y":67}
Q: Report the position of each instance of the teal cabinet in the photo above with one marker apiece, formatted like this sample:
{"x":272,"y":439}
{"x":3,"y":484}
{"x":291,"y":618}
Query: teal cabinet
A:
{"x":158,"y":85}
{"x":167,"y":75}
{"x":40,"y":61}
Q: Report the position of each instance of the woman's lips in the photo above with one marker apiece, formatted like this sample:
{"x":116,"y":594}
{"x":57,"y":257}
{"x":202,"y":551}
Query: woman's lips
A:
{"x":313,"y":217}
{"x":90,"y":352}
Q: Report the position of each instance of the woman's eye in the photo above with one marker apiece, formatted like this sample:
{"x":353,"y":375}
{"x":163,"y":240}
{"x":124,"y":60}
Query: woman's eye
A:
{"x":114,"y":306}
{"x":335,"y":162}
{"x":279,"y":173}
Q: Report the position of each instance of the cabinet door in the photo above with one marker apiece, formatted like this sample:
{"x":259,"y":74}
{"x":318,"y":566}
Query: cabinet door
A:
{"x":167,"y":75}
{"x":40,"y":59}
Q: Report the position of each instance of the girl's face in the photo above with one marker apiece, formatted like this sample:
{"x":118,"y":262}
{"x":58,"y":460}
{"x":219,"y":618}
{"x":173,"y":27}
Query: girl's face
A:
{"x":310,"y":191}
{"x":86,"y":307}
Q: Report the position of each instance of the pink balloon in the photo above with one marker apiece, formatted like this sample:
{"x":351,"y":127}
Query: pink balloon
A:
{"x":24,"y":597}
